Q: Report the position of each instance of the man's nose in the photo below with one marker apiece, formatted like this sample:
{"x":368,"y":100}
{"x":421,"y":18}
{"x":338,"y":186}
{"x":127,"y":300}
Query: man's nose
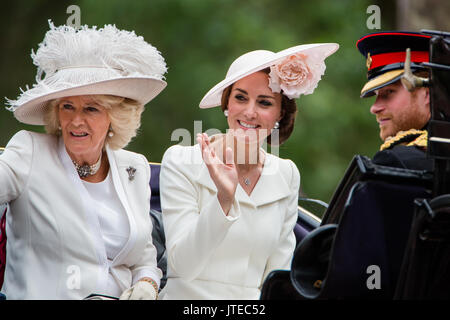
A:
{"x":377,"y":106}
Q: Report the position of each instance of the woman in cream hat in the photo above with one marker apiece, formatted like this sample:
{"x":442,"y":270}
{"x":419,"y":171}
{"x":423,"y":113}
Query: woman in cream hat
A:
{"x":229,"y":207}
{"x":78,"y":221}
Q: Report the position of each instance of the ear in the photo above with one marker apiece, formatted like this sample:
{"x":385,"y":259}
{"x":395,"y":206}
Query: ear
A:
{"x":427,"y":96}
{"x":282,"y":113}
{"x":424,"y":100}
{"x":422,"y":96}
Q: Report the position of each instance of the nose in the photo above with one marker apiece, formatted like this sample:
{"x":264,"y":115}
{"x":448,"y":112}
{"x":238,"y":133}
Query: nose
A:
{"x":377,"y":106}
{"x":77,"y":118}
{"x":251,"y":110}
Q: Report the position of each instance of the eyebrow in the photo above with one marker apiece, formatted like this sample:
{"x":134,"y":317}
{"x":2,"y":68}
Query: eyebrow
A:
{"x":260,"y":96}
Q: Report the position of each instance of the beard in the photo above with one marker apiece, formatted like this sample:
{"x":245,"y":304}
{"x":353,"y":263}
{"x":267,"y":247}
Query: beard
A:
{"x":415,"y":117}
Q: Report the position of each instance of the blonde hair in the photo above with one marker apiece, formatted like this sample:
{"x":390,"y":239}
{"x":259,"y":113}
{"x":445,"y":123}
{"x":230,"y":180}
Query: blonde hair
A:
{"x":124,"y":114}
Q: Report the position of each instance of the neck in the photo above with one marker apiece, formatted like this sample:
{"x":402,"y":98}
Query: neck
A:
{"x":91,"y":168}
{"x":88,"y":158}
{"x":102,"y":172}
{"x":246,"y":155}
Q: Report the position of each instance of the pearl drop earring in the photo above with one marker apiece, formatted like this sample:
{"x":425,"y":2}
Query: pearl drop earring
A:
{"x":110,"y":133}
{"x":277,"y":125}
{"x":225,"y":112}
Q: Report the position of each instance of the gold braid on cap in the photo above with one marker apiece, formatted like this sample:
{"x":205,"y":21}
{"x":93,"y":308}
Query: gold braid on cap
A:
{"x":412,"y":137}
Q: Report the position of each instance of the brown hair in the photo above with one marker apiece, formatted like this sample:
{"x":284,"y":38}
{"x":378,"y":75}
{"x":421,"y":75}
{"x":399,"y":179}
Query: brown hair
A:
{"x":422,"y":74}
{"x":288,"y":113}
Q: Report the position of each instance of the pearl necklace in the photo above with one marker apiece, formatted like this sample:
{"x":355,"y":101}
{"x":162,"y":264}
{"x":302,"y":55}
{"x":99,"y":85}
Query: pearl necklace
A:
{"x":86,"y":170}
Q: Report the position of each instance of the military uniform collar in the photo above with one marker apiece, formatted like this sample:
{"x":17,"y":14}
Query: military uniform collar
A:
{"x":412,"y":137}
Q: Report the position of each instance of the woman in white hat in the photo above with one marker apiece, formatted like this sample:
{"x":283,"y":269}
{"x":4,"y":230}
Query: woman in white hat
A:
{"x":78,"y":220}
{"x":229,"y":207}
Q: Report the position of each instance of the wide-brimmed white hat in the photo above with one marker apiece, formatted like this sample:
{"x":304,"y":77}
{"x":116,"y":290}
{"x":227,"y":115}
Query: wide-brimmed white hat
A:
{"x":307,"y":58}
{"x":88,"y":61}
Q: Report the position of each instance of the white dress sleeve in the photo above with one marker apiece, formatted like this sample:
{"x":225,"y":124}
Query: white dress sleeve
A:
{"x":192,"y":233}
{"x":15,"y":166}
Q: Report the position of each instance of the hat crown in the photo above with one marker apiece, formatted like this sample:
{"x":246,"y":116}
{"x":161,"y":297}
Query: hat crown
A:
{"x":107,"y":47}
{"x":249,"y":60}
{"x":392,"y":41}
{"x":258,"y":60}
{"x":385,"y":54}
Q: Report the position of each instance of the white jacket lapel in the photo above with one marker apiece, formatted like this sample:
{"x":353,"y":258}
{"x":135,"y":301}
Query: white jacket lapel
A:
{"x":272,"y":185}
{"x":120,"y":179}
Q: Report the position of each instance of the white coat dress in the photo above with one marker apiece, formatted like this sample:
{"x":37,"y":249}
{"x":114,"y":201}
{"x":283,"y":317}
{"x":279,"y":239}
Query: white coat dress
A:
{"x":214,"y":256}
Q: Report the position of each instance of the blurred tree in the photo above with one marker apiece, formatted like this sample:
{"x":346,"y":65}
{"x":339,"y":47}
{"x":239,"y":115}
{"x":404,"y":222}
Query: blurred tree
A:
{"x":423,"y":14}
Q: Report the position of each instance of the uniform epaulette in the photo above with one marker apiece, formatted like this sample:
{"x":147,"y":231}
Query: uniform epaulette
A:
{"x":411,"y":137}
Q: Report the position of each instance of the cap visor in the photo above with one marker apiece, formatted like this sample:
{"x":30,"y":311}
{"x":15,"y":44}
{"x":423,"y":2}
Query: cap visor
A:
{"x":379,"y":82}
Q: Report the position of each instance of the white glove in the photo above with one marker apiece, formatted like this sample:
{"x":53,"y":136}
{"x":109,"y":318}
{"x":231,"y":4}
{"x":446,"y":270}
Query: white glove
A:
{"x":142,"y":290}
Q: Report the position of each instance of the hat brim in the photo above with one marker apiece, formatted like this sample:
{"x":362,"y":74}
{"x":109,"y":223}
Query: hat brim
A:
{"x":214,"y":96}
{"x":382,"y":80}
{"x":141,"y":89}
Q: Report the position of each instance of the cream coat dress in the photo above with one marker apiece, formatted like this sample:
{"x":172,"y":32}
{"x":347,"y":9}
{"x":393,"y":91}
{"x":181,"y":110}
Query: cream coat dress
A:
{"x":214,"y":256}
{"x":55,"y":248}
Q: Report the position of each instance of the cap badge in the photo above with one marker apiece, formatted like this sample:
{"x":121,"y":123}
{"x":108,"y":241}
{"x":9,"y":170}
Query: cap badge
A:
{"x":368,"y":61}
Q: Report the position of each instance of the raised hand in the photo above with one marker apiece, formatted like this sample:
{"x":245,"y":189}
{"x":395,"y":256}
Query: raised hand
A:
{"x":224,"y":175}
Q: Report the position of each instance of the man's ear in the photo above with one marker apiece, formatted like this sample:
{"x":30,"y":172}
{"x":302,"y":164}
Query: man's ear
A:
{"x":425,"y":100}
{"x":427,"y":96}
{"x":422,"y":96}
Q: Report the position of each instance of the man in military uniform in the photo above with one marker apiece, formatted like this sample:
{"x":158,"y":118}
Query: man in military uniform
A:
{"x":402,"y":115}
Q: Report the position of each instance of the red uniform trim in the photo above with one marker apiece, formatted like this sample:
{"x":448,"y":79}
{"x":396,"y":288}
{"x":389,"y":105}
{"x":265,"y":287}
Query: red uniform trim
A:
{"x":384,"y":59}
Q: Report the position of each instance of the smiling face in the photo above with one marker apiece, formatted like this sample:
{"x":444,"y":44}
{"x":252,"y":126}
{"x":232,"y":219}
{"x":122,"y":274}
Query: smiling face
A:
{"x":397,"y":109}
{"x":84,"y":126}
{"x":253,"y":108}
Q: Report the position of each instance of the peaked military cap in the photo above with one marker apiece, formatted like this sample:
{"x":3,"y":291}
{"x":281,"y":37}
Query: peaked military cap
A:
{"x":385,"y":54}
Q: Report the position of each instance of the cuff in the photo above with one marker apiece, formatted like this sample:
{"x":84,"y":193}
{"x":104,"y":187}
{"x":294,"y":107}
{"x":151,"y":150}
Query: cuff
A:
{"x":147,"y":272}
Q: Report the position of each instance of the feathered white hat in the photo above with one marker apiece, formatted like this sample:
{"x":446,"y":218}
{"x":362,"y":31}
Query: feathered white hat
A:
{"x":88,"y":61}
{"x":294,"y":71}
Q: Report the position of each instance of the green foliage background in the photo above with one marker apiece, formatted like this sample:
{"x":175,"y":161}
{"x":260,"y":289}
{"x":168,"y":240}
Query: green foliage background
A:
{"x":199,"y":39}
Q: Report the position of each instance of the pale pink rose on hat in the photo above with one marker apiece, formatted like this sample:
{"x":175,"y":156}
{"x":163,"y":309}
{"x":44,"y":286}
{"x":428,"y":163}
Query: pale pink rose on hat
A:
{"x":297,"y":74}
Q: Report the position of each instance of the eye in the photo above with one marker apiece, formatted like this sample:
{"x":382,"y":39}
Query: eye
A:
{"x":240,"y":97}
{"x":265,"y":103}
{"x":67,"y":106}
{"x":386,"y":93}
{"x":91,"y":109}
